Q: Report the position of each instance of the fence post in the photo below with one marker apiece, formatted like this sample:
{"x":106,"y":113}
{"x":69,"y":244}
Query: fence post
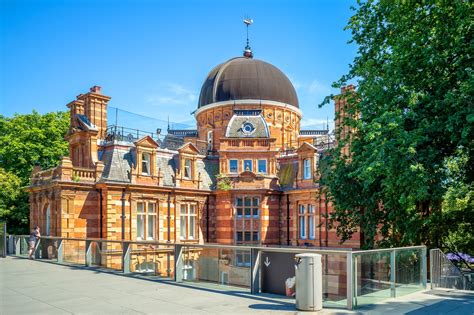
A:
{"x":88,"y":253}
{"x":432,"y":269}
{"x":126,"y":257}
{"x":255,"y":255}
{"x":178,"y":263}
{"x":36,"y":253}
{"x":17,"y":241}
{"x":4,"y":240}
{"x":393,"y":271}
{"x":60,"y":251}
{"x":424,"y":275}
{"x":349,"y":281}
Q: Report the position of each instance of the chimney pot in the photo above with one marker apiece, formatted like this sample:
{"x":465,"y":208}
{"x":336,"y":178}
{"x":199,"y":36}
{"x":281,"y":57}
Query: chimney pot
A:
{"x":96,"y":89}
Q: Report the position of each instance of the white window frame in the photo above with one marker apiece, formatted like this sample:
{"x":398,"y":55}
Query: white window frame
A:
{"x":188,"y":219}
{"x":146,"y":216}
{"x":311,"y":221}
{"x":188,"y":168}
{"x":266,"y":166}
{"x":307,"y":168}
{"x":302,"y":222}
{"x":236,"y":166}
{"x":146,"y":160}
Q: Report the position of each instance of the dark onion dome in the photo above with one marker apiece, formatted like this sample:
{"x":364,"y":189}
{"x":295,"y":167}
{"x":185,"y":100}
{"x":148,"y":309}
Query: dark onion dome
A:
{"x":247,"y":79}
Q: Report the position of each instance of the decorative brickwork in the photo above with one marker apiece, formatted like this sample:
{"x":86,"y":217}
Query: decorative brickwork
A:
{"x":245,"y":176}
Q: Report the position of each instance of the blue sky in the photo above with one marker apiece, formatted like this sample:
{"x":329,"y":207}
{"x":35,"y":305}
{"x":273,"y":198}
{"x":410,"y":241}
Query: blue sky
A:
{"x":151,"y":57}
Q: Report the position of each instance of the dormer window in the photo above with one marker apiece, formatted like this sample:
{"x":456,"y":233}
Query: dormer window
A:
{"x":146,"y":159}
{"x":307,"y":169}
{"x":187,"y":169}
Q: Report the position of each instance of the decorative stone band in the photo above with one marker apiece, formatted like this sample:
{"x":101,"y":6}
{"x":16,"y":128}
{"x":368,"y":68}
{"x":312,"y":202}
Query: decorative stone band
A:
{"x":248,"y":102}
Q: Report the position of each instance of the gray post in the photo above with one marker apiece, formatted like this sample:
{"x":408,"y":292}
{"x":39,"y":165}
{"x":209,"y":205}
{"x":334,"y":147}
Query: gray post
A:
{"x":60,"y":251}
{"x":255,"y":255}
{"x":392,"y":273}
{"x":178,"y":263}
{"x":349,"y":281}
{"x":4,"y":240}
{"x":424,"y":276}
{"x":17,"y":241}
{"x":37,"y":253}
{"x":11,"y":243}
{"x":126,"y":257}
{"x":88,"y":253}
{"x":431,"y":268}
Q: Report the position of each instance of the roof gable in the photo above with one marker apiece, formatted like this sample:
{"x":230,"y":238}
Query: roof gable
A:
{"x":188,"y":148}
{"x":146,"y":141}
{"x":305,"y":147}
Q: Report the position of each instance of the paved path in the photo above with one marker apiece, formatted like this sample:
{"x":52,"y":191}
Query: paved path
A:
{"x":35,"y":287}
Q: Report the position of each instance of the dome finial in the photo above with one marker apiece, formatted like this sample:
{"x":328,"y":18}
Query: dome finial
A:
{"x":248,"y":51}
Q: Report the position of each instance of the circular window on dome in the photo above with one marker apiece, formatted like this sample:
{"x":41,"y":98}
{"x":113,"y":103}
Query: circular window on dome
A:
{"x":247,"y":128}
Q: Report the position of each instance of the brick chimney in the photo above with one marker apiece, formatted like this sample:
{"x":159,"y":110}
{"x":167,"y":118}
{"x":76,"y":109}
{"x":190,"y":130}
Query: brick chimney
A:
{"x":95,"y":108}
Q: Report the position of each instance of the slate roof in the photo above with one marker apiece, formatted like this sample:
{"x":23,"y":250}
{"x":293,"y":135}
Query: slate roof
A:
{"x":85,"y":123}
{"x":117,"y":164}
{"x":208,"y":168}
{"x":236,"y":125}
{"x":167,"y":168}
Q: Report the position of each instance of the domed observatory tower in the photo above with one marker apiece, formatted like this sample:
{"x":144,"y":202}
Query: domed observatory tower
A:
{"x":247,"y":87}
{"x":247,"y":113}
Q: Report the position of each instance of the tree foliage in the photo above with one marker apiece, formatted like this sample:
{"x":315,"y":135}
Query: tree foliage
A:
{"x":27,"y":140}
{"x":411,"y":115}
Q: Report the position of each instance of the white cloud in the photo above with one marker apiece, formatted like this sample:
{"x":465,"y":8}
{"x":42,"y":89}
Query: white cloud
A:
{"x":307,"y":122}
{"x":316,"y":87}
{"x":175,"y":94}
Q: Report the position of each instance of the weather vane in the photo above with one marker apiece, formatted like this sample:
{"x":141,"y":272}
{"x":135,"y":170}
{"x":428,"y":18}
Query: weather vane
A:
{"x":248,"y":51}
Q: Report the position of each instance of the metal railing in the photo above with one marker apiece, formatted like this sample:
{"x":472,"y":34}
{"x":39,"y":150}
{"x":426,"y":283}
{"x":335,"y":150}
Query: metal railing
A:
{"x":3,"y":239}
{"x":445,"y":274}
{"x":350,"y":278}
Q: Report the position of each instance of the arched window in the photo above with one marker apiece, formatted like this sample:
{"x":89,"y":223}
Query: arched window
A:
{"x":48,"y":220}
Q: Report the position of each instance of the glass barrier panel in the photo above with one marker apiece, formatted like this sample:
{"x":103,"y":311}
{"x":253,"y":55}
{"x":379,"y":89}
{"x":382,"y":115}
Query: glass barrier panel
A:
{"x":201,"y":264}
{"x":47,"y":249}
{"x":372,"y":277}
{"x":234,"y":267}
{"x":74,"y":251}
{"x":152,"y":260}
{"x":408,"y":271}
{"x":217,"y":265}
{"x":24,"y":245}
{"x":106,"y":255}
{"x":334,"y":280}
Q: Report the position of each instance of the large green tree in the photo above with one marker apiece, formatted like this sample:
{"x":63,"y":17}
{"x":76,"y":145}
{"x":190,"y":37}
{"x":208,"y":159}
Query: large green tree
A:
{"x":412,"y":117}
{"x":26,"y":141}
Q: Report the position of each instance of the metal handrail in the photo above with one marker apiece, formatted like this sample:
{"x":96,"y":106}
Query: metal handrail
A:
{"x":387,"y":249}
{"x":223,"y":246}
{"x":179,"y":251}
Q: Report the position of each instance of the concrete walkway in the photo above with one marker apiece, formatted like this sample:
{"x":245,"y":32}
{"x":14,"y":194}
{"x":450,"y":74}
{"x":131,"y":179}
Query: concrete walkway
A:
{"x":36,"y":287}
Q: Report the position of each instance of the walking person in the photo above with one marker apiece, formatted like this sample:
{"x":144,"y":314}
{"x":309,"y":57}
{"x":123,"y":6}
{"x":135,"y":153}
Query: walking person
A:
{"x":34,"y":236}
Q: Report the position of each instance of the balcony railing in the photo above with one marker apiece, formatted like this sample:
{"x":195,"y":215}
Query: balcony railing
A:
{"x":67,"y":172}
{"x":246,"y":143}
{"x":119,"y":133}
{"x":350,"y":278}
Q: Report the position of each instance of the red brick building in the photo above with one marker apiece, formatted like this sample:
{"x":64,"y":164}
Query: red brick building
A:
{"x":247,"y":174}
